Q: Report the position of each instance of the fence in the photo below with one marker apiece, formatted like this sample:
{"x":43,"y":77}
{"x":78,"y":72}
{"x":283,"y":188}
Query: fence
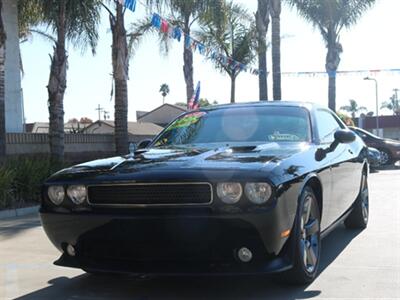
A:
{"x":78,"y":147}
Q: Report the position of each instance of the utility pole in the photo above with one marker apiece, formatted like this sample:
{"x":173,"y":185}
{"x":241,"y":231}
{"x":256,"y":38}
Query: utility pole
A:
{"x":99,"y":110}
{"x":376,"y":100}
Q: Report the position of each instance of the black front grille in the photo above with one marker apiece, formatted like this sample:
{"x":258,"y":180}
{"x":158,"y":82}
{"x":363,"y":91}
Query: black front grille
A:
{"x":151,"y":194}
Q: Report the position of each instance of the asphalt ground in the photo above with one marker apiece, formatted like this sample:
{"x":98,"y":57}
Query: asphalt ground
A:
{"x":354,"y":264}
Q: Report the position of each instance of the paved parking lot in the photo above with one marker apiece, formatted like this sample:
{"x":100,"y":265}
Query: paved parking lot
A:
{"x":355,"y":264}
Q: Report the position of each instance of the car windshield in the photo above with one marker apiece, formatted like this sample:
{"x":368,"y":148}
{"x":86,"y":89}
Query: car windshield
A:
{"x":236,"y":126}
{"x":362,"y":131}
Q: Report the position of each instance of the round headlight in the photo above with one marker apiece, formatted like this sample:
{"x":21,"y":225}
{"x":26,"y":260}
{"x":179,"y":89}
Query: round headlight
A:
{"x":56,"y":194}
{"x":258,"y":192}
{"x":229,"y":192}
{"x":77,"y":193}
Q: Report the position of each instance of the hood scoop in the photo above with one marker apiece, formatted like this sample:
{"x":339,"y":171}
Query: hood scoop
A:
{"x":242,"y":149}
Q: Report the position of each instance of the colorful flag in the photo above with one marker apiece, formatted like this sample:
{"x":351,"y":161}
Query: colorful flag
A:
{"x":164,"y":26}
{"x":130,"y":4}
{"x":194,"y":101}
{"x":156,"y":21}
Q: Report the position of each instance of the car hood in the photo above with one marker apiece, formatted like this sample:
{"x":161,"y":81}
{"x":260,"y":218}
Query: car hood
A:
{"x":169,"y":163}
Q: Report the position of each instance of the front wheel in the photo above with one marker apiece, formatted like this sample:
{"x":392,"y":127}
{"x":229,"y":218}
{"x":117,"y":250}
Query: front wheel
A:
{"x":306,"y":240}
{"x":358,"y":218}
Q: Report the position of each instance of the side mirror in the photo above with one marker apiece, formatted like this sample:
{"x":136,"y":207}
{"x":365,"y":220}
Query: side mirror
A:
{"x":344,"y":136}
{"x":143,"y":144}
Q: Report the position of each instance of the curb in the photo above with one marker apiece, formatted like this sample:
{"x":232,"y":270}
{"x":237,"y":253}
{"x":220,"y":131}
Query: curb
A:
{"x":11,"y":213}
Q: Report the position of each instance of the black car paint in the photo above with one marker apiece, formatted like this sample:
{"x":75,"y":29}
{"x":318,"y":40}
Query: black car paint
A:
{"x":287,"y":166}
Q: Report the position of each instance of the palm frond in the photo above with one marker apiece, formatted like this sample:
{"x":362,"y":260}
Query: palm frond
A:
{"x":330,"y":16}
{"x":44,"y":35}
{"x":230,"y":32}
{"x":136,"y":34}
{"x":82,"y":19}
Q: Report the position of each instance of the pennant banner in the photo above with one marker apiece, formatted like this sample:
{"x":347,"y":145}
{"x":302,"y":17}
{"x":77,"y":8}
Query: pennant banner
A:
{"x":373,"y":72}
{"x":175,"y":32}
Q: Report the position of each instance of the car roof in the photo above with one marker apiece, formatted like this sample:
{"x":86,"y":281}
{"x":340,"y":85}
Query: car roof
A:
{"x":307,"y":105}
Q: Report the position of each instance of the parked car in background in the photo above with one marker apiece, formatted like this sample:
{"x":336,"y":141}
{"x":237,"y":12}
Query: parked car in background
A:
{"x":390,"y":149}
{"x":374,"y":158}
{"x":247,"y":188}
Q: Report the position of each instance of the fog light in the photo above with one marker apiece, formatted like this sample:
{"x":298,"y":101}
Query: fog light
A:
{"x":245,"y":254}
{"x":70,"y":250}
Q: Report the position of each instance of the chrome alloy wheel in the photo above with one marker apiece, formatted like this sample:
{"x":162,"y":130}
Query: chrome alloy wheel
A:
{"x":384,"y":157}
{"x":309,"y":234}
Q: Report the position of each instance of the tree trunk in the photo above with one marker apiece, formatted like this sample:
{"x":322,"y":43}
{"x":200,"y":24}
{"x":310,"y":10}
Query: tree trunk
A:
{"x":2,"y":86}
{"x":262,"y":22}
{"x":331,"y":65}
{"x":332,"y":93}
{"x":56,"y":89}
{"x":120,"y":62}
{"x":188,"y":63}
{"x":233,"y":87}
{"x":276,"y":48}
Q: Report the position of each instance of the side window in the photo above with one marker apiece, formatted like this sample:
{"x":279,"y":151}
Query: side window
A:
{"x":362,"y":134}
{"x":327,"y":126}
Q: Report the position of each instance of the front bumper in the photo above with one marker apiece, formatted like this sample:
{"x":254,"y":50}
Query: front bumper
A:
{"x":171,"y":244}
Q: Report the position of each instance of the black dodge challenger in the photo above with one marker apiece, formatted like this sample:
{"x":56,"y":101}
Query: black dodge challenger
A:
{"x":232,"y":189}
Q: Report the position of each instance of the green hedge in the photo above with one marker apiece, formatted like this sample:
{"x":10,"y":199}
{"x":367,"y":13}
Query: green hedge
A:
{"x":21,"y":178}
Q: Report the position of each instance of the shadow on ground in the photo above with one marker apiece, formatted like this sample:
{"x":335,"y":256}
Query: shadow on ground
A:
{"x":14,"y":226}
{"x":125,"y":287}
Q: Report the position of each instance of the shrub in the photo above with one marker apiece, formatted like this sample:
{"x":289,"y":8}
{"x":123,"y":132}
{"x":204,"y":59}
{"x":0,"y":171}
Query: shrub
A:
{"x":6,"y":182}
{"x":21,"y":179}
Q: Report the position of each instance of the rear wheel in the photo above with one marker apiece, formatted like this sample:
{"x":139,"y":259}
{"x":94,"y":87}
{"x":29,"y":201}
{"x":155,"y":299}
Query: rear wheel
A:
{"x":386,"y":157}
{"x":358,"y":217}
{"x":306,"y":240}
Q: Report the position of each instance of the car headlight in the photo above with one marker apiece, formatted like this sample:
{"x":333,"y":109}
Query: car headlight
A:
{"x":229,"y":192}
{"x":77,"y":193}
{"x":56,"y":194}
{"x":258,"y":192}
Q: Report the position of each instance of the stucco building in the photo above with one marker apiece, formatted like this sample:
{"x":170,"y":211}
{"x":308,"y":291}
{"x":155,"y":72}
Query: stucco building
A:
{"x":13,"y":92}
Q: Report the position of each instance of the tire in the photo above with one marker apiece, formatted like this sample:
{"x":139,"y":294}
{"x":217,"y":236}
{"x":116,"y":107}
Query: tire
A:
{"x":386,"y":157}
{"x":307,"y":245}
{"x":358,"y":218}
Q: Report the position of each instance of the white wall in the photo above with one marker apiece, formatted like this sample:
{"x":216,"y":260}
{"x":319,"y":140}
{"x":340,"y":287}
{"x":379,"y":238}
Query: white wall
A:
{"x":13,"y":95}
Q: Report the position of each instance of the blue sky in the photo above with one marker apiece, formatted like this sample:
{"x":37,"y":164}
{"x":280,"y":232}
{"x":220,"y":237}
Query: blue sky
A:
{"x":370,"y":44}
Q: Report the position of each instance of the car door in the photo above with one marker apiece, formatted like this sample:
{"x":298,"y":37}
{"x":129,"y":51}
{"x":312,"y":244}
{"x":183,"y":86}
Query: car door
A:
{"x":343,"y":166}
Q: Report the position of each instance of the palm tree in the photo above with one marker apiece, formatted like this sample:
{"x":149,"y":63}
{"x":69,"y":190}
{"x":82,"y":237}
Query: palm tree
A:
{"x":232,"y":35}
{"x":122,"y":49}
{"x":2,"y":86}
{"x":330,"y":16}
{"x":393,"y":105}
{"x":353,"y":108}
{"x":120,"y":66}
{"x":262,"y":22}
{"x":72,"y":21}
{"x":275,"y":12}
{"x":164,"y":90}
